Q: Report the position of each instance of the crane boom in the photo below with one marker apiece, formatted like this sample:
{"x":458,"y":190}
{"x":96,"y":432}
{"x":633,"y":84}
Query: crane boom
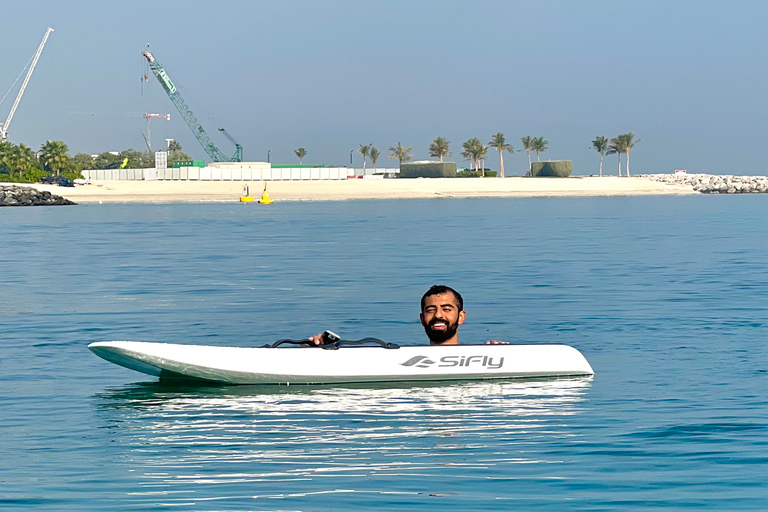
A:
{"x":189,"y":117}
{"x":4,"y":128}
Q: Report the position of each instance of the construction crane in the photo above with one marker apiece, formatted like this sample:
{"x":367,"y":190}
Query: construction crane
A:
{"x":148,"y":136}
{"x":148,"y":116}
{"x":4,"y":127}
{"x":194,"y":125}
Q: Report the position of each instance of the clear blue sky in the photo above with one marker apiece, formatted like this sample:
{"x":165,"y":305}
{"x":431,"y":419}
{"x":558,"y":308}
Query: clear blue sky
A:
{"x":690,"y":78}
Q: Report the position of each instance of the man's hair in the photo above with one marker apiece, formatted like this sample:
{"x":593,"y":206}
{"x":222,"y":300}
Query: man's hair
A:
{"x":439,"y":289}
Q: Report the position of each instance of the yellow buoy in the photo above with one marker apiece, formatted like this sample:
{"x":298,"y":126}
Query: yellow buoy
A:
{"x":265,"y":196}
{"x":246,"y":197}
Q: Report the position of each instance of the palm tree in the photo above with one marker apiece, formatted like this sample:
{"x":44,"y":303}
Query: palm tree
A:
{"x":528,"y":147}
{"x":6,"y":155}
{"x":482,"y":154}
{"x":364,"y":150}
{"x":401,"y":153}
{"x":600,"y":144}
{"x":616,"y":147}
{"x":374,"y":154}
{"x":539,"y":145}
{"x":474,"y":150}
{"x":469,"y":149}
{"x":301,"y":153}
{"x":628,"y":145}
{"x":439,"y":148}
{"x":499,"y":143}
{"x":467,"y":153}
{"x":174,"y":146}
{"x":24,"y":158}
{"x":53,"y":156}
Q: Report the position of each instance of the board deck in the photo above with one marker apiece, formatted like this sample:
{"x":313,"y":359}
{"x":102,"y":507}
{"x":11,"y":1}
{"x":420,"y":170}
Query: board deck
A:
{"x":244,"y":365}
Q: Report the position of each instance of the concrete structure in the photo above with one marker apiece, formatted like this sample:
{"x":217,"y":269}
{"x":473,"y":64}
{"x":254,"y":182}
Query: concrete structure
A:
{"x":235,"y":171}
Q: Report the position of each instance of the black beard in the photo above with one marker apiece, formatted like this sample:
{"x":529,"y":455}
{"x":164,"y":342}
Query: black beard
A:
{"x":441,"y":336}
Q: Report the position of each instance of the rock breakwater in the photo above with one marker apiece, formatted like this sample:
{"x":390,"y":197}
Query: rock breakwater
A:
{"x":716,"y":184}
{"x":14,"y":195}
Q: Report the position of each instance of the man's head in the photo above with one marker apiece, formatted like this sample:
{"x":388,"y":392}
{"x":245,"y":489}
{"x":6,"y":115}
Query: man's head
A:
{"x":442,"y":312}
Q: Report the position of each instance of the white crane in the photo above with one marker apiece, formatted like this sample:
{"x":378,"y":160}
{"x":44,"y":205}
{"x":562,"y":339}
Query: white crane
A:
{"x":4,"y":127}
{"x":148,"y":136}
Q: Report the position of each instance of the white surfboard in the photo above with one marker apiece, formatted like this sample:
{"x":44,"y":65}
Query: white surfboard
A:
{"x":241,"y":365}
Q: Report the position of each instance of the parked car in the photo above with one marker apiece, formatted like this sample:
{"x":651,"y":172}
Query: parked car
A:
{"x":61,"y":181}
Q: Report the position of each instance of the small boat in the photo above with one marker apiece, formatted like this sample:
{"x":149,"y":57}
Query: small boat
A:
{"x":343,"y":362}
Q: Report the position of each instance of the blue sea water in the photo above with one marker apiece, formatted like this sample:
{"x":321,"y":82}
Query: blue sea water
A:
{"x":667,"y":297}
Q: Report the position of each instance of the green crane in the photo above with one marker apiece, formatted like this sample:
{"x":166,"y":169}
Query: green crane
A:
{"x":194,"y":125}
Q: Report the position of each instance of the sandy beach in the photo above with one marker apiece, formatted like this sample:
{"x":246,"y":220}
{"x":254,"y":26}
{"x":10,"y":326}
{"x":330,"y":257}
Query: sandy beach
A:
{"x":202,"y":191}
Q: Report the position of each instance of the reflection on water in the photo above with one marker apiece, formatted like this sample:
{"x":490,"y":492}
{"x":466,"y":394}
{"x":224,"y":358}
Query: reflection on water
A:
{"x":272,"y":437}
{"x":348,"y":397}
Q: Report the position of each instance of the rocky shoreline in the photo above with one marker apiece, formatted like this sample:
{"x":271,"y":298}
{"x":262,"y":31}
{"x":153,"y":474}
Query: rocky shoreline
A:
{"x":716,"y":184}
{"x":14,"y":195}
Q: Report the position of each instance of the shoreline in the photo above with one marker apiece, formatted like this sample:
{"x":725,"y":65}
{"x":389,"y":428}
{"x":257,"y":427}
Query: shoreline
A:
{"x":400,"y":188}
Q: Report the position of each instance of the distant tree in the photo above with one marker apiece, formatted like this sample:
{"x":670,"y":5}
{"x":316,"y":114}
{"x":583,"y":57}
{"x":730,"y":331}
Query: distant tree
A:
{"x":374,"y":154}
{"x":482,"y":154}
{"x":467,"y":154}
{"x":137,"y":159}
{"x":401,"y":153}
{"x":528,"y":147}
{"x":82,"y":161}
{"x":469,"y":151}
{"x":106,"y":160}
{"x":600,"y":144}
{"x":499,"y":143}
{"x":628,"y":144}
{"x":616,"y":147}
{"x":474,"y":150}
{"x":174,"y":146}
{"x":179,"y":156}
{"x":301,"y":153}
{"x":7,"y":160}
{"x":439,"y":148}
{"x":24,"y":158}
{"x":364,"y":149}
{"x":539,"y":145}
{"x":53,"y":156}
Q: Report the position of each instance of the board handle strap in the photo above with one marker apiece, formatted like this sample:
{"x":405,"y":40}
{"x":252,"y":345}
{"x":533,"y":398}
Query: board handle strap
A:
{"x":338,"y":344}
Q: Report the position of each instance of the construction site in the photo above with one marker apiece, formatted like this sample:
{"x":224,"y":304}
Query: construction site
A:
{"x":221,"y":167}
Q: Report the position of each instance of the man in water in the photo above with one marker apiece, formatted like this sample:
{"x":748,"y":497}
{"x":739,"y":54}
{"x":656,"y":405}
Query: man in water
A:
{"x":442,"y":312}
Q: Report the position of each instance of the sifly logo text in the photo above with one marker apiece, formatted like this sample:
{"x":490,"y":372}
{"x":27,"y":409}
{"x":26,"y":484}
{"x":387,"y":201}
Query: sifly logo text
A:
{"x":450,"y":361}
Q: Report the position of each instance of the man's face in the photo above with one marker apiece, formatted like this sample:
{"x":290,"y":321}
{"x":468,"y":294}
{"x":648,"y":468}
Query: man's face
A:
{"x":441,"y":317}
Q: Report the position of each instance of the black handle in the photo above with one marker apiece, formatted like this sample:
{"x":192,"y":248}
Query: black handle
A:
{"x":284,"y":342}
{"x":352,"y":343}
{"x":336,"y":345}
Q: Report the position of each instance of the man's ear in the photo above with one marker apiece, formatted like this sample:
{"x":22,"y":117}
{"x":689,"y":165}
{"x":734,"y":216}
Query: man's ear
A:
{"x":462,"y":316}
{"x":421,"y":317}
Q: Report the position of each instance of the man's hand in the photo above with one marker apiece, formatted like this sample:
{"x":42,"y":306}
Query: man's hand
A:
{"x":496,"y":342}
{"x":324,"y":338}
{"x":315,"y":341}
